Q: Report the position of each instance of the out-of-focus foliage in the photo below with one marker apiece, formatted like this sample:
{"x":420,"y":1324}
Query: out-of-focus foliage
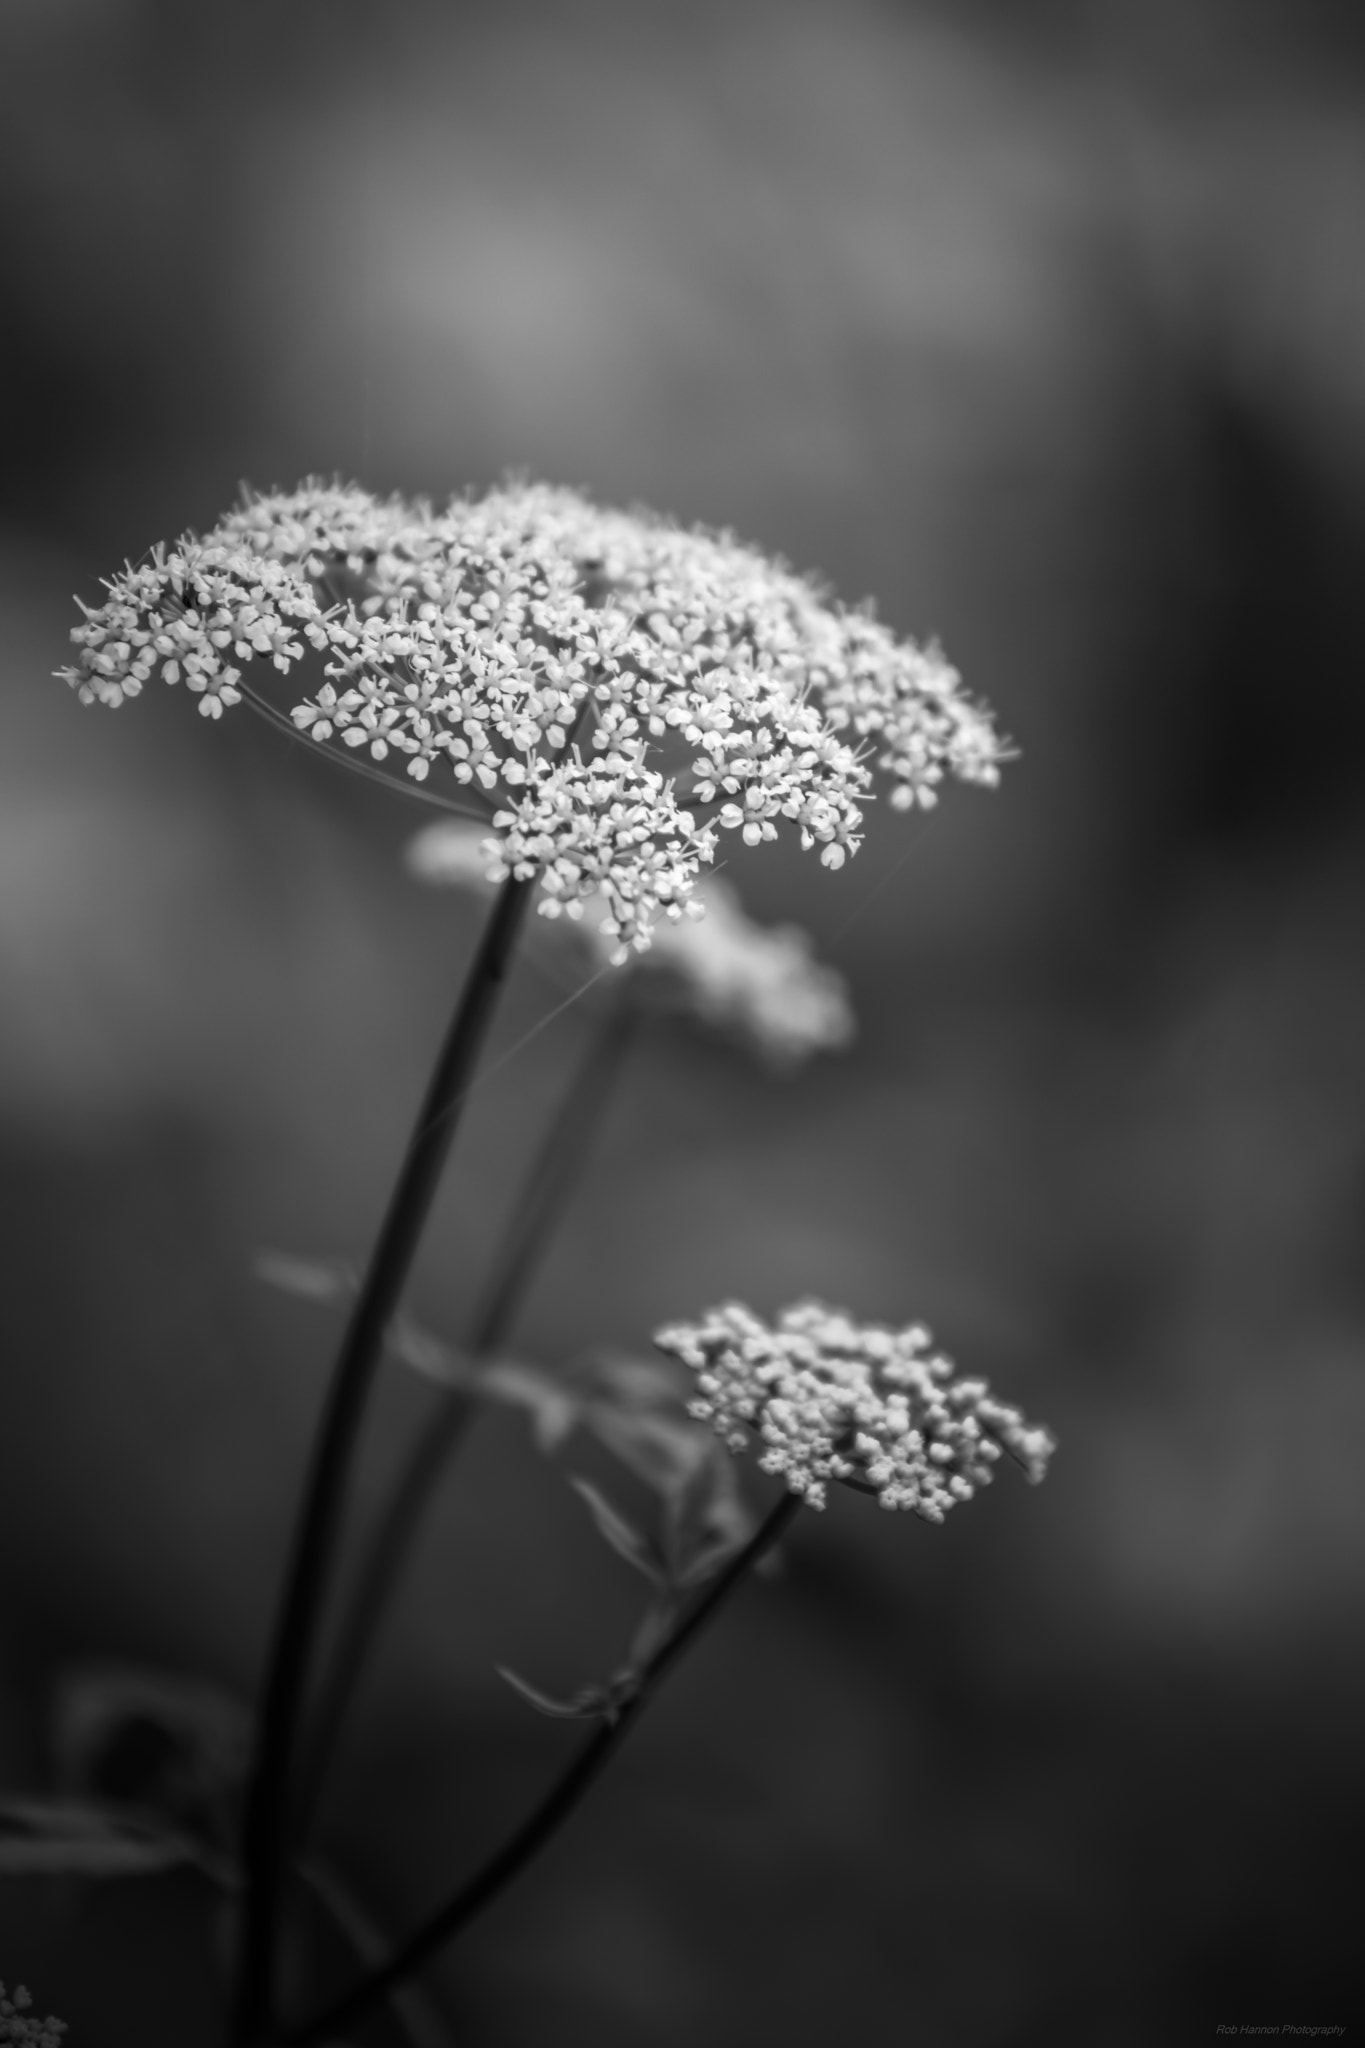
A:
{"x":1048,"y":328}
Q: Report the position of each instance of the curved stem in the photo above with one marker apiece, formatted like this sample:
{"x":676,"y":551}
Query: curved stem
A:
{"x":546,"y":1189}
{"x":553,"y":1810}
{"x":267,"y":1822}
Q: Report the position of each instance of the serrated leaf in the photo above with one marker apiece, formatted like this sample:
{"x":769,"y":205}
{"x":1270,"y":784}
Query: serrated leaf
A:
{"x":627,"y":1541}
{"x":69,"y":1838}
{"x":584,"y":1706}
{"x":322,"y":1280}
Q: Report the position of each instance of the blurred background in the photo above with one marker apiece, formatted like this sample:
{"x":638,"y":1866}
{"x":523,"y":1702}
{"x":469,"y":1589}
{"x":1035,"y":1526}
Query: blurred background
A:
{"x":1045,"y":325}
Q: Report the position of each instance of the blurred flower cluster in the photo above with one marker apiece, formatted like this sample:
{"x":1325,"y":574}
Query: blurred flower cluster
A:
{"x":568,"y":660}
{"x":834,"y":1399}
{"x":15,"y":2026}
{"x":760,"y":982}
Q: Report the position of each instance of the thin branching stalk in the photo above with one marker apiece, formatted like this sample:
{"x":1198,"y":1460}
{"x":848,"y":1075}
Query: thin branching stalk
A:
{"x":267,"y":1825}
{"x":552,"y":1176}
{"x":413,"y":2013}
{"x":554,"y":1809}
{"x":548,"y":1185}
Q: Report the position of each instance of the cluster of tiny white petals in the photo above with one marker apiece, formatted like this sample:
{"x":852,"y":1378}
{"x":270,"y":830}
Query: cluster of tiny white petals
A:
{"x":17,"y":2024}
{"x":325,"y":528}
{"x":908,"y":701}
{"x":761,"y":982}
{"x":607,"y":829}
{"x":192,"y":613}
{"x":569,"y":661}
{"x":832,"y":1399}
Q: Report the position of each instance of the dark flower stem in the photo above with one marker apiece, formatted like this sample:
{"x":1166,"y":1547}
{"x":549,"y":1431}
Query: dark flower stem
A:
{"x":269,"y":1809}
{"x":548,"y":1185}
{"x":553,"y":1810}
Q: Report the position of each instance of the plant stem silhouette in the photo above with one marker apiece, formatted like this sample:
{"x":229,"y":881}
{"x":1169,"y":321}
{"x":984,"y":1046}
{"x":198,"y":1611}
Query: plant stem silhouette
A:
{"x":269,"y":1806}
{"x":554,"y":1809}
{"x":548,"y":1186}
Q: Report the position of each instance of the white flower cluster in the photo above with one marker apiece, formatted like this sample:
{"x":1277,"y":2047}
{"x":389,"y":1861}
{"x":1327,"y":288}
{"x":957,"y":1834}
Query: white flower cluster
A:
{"x":190,"y":612}
{"x":14,"y":2026}
{"x":833,"y":1399}
{"x":541,"y":647}
{"x":761,"y":982}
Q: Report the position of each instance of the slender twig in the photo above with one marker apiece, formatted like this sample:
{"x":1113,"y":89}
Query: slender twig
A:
{"x":553,"y":1810}
{"x":547,"y":1187}
{"x":268,"y":1809}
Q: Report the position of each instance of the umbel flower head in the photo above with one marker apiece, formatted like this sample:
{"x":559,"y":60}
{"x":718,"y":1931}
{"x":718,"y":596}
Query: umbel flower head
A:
{"x":879,"y":1409}
{"x":761,"y":982}
{"x":568,"y":661}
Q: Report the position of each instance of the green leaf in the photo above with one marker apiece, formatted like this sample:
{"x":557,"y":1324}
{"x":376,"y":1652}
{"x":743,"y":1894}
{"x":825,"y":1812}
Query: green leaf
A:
{"x":628,"y":1382}
{"x":323,"y":1280}
{"x":628,"y":1542}
{"x":553,"y":1408}
{"x":655,"y":1626}
{"x":429,"y":1355}
{"x":662,"y":1449}
{"x":708,"y":1518}
{"x":333,"y":1283}
{"x":584,"y":1706}
{"x":69,"y":1838}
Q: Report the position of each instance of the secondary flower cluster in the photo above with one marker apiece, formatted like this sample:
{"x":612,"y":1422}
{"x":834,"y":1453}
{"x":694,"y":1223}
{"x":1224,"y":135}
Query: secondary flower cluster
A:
{"x":834,"y":1399}
{"x":761,"y":982}
{"x":15,"y":2027}
{"x":569,"y":660}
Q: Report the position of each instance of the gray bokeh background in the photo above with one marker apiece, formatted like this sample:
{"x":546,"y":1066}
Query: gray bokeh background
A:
{"x":1047,"y":327}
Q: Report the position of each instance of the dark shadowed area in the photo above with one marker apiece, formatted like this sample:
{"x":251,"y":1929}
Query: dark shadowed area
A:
{"x":1046,"y":326}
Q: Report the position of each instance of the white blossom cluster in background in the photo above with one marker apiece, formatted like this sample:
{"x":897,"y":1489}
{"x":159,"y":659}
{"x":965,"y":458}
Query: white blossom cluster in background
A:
{"x":15,"y":2025}
{"x":834,"y":1399}
{"x":761,"y":982}
{"x":548,"y":652}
